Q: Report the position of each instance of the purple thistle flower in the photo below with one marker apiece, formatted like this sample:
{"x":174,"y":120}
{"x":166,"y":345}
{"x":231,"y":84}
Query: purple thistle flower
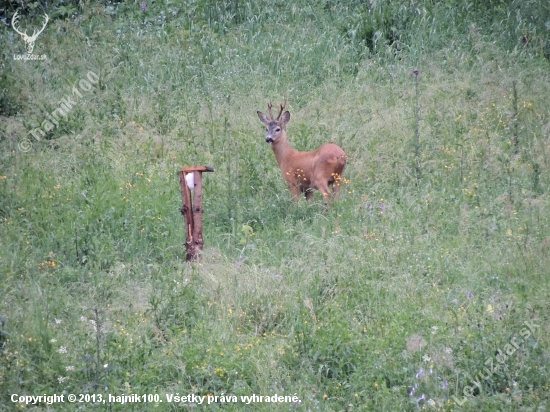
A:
{"x":420,"y":372}
{"x":416,"y":71}
{"x":143,"y":6}
{"x":413,"y":390}
{"x":469,"y":295}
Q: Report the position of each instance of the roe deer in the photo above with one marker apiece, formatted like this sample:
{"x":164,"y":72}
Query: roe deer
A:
{"x":304,"y":171}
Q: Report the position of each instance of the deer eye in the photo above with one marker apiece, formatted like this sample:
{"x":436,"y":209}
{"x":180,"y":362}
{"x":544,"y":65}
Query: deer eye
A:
{"x":278,"y":129}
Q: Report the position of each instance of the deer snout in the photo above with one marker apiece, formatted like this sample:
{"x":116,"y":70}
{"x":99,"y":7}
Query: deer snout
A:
{"x":269,"y":139}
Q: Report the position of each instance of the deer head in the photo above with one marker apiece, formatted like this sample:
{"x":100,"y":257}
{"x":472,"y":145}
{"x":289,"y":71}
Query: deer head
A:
{"x":29,"y":40}
{"x":274,"y":126}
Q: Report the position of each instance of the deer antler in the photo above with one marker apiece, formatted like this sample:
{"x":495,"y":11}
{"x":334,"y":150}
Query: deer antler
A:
{"x":269,"y":107}
{"x":14,"y":21}
{"x":282,"y":109}
{"x":35,"y":33}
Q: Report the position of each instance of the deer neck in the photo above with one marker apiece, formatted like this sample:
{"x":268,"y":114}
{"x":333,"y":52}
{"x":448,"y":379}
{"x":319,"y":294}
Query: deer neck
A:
{"x":282,"y":149}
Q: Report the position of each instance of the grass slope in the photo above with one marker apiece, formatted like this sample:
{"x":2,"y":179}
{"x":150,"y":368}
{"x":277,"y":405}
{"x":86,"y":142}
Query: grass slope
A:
{"x":424,"y":272}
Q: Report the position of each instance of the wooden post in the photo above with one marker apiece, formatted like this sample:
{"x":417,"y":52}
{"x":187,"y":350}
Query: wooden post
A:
{"x":193,"y":214}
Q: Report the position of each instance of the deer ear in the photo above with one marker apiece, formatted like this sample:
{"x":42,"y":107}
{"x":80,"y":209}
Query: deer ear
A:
{"x":262,"y":117}
{"x":286,"y":117}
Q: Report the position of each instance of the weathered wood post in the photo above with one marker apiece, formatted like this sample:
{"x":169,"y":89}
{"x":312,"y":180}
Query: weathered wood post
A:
{"x":191,"y":178}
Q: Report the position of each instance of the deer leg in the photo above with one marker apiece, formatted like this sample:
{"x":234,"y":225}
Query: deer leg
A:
{"x":324,"y":189}
{"x":294,"y":191}
{"x":309,"y":194}
{"x":336,"y":186}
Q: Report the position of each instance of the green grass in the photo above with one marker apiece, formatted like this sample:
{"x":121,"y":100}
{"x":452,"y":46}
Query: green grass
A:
{"x":433,"y":259}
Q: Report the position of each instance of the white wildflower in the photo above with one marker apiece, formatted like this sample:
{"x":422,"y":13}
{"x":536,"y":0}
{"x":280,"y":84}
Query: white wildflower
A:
{"x":94,"y":325}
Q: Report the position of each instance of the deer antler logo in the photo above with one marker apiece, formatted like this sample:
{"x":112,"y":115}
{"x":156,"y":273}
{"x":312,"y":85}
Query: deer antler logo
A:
{"x":28,"y":39}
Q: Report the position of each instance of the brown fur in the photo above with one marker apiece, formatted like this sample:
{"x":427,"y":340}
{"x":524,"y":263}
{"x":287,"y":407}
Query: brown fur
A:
{"x":304,"y":171}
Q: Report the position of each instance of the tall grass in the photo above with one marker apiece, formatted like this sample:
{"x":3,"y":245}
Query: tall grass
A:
{"x":431,"y":261}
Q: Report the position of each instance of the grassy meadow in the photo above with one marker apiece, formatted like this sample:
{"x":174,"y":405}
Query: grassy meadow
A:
{"x":424,"y":287}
